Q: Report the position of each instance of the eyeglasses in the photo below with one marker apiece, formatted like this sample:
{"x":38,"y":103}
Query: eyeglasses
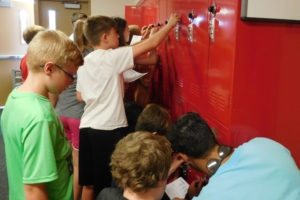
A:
{"x":59,"y":67}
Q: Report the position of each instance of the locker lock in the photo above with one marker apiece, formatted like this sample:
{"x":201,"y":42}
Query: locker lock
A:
{"x":191,"y":15}
{"x":213,"y":9}
{"x":166,"y":22}
{"x":158,"y":24}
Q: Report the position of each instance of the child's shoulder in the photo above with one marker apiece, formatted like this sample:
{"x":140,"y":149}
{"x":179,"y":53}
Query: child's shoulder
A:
{"x":110,"y":51}
{"x":29,"y":101}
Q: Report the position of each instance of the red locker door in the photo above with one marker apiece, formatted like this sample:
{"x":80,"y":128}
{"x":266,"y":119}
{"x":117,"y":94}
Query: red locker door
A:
{"x":140,"y":15}
{"x":188,"y":55}
{"x":221,"y":67}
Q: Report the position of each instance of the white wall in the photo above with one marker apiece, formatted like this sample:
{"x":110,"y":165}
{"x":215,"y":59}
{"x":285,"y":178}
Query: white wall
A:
{"x":110,"y":7}
{"x":10,"y":34}
{"x":10,"y":42}
{"x":272,"y":9}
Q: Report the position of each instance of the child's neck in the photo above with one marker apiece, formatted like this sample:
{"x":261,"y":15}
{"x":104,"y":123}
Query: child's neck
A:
{"x":102,"y":46}
{"x":34,"y":84}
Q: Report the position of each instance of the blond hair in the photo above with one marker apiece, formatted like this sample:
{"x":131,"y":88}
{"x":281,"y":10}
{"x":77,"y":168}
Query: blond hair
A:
{"x":134,"y":29}
{"x":31,"y":31}
{"x":79,"y":38}
{"x":77,"y":16}
{"x":140,"y":161}
{"x":154,"y":118}
{"x":52,"y":46}
{"x":97,"y":25}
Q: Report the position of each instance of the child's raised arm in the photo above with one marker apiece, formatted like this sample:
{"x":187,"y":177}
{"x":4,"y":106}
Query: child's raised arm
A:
{"x":156,"y":39}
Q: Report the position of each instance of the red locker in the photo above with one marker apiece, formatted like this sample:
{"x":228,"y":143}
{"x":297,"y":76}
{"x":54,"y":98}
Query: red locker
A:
{"x":244,"y":83}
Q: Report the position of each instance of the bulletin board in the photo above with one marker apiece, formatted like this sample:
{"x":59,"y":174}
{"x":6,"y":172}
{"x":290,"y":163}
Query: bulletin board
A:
{"x":271,"y":10}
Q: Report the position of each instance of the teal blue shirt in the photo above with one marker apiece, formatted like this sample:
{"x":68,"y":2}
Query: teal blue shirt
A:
{"x":260,"y":169}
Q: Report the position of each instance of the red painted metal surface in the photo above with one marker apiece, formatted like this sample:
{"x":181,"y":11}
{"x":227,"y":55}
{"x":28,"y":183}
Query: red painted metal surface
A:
{"x":266,"y":98}
{"x":133,"y":15}
{"x":245,"y":84}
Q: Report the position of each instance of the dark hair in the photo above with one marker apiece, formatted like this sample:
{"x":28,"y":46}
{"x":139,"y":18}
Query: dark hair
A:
{"x":154,"y":118}
{"x":77,"y":15}
{"x":121,"y":25}
{"x":191,"y":135}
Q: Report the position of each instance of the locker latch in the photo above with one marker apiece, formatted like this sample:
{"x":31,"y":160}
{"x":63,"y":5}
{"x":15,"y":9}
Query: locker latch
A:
{"x":191,"y":17}
{"x":177,"y":32}
{"x":212,"y":9}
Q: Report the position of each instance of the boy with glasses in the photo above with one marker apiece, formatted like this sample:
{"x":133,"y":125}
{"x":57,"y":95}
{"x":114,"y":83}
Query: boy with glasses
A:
{"x":38,"y":155}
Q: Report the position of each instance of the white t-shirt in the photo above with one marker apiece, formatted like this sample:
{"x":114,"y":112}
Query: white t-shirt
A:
{"x":100,"y":82}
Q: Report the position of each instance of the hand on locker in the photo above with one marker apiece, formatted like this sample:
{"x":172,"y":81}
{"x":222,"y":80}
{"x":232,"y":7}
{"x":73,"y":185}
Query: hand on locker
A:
{"x":146,"y":31}
{"x":153,"y":30}
{"x":174,"y":19}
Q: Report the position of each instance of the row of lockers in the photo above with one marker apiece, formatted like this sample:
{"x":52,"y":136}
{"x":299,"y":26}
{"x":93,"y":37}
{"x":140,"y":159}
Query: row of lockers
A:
{"x":241,"y":76}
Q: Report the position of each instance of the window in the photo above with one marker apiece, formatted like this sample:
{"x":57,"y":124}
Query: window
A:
{"x":52,"y":19}
{"x":24,"y":22}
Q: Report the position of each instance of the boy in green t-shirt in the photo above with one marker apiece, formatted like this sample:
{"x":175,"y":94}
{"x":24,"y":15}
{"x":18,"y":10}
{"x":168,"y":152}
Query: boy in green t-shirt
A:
{"x":38,"y":155}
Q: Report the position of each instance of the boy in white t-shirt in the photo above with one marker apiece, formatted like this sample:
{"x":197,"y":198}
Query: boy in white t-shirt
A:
{"x":99,"y":85}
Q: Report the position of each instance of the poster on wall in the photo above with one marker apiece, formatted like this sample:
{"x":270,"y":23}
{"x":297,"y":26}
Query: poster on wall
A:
{"x":271,"y":10}
{"x":5,"y":3}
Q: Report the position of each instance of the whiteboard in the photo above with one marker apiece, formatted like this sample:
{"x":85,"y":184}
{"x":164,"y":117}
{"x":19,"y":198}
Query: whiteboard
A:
{"x":273,"y":10}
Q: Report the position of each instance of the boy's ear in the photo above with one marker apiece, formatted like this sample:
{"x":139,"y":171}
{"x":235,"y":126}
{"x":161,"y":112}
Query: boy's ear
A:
{"x":48,"y":68}
{"x":183,"y":157}
{"x":103,"y":37}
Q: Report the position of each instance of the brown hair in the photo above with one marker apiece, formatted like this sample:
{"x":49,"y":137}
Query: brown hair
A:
{"x":140,"y":161}
{"x":79,"y":38}
{"x":31,"y":31}
{"x":97,"y":25}
{"x":154,"y":118}
{"x":76,"y":16}
{"x":52,"y":46}
{"x":133,"y":30}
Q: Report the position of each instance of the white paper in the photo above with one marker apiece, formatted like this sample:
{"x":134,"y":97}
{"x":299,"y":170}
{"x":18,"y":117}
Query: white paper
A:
{"x":132,"y":75}
{"x":135,"y":39}
{"x":177,"y":188}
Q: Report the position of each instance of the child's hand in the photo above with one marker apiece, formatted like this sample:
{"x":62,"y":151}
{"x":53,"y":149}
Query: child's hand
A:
{"x":152,"y":31}
{"x":174,"y":19}
{"x":146,"y":31}
{"x":176,"y":162}
{"x":196,"y":187}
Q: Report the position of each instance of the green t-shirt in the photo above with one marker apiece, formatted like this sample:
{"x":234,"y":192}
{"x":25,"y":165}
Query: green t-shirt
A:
{"x":36,"y":147}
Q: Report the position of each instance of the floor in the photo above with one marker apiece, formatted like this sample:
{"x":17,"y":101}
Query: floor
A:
{"x":3,"y":175}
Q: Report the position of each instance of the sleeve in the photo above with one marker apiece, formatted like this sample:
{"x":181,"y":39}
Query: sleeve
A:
{"x":78,"y":80}
{"x":102,"y":195}
{"x":39,"y":163}
{"x":122,"y":59}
